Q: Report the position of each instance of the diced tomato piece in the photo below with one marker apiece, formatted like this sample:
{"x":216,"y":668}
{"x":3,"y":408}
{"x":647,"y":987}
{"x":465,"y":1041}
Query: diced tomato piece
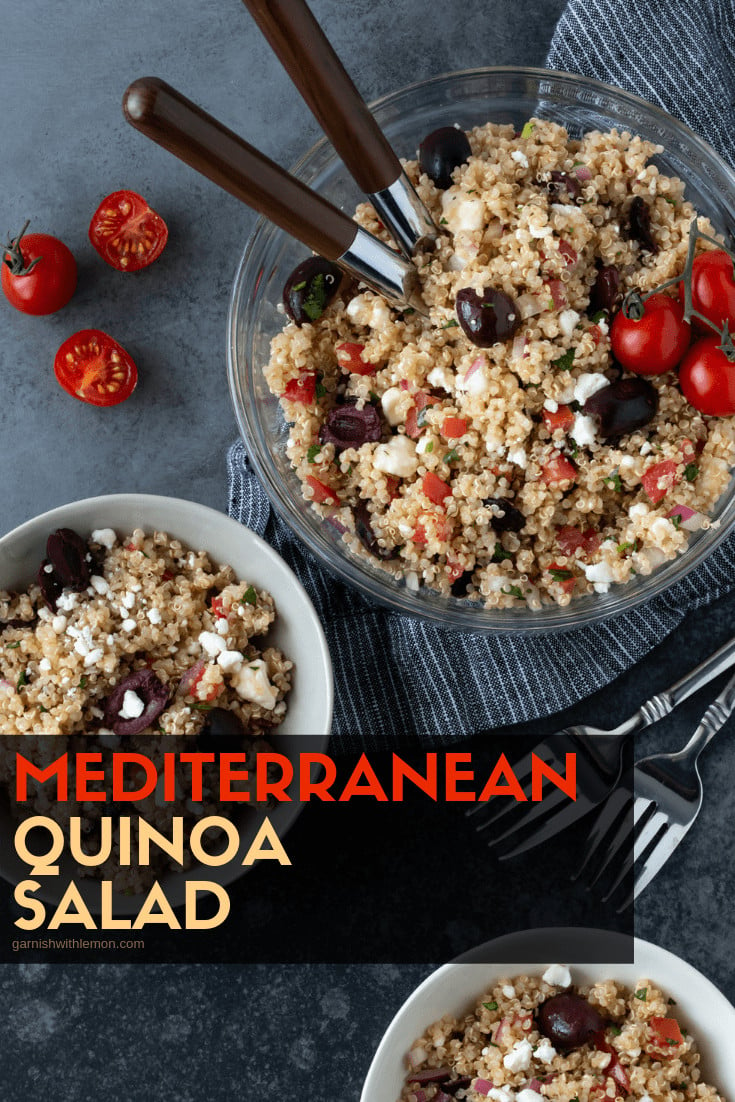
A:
{"x":432,"y":524}
{"x":666,"y":1034}
{"x":167,"y":576}
{"x":558,"y":469}
{"x":570,"y":255}
{"x":434,"y":488}
{"x":688,"y":450}
{"x":212,"y":693}
{"x":453,"y":427}
{"x":302,"y":389}
{"x":596,"y":333}
{"x":659,"y":479}
{"x":392,"y":483}
{"x":558,"y":293}
{"x":562,"y":418}
{"x":571,"y":540}
{"x":218,"y":609}
{"x":419,"y":535}
{"x":323,"y":495}
{"x":349,"y":358}
{"x":454,"y":570}
{"x":421,"y":401}
{"x":614,"y":1069}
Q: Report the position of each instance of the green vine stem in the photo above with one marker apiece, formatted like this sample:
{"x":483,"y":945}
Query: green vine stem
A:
{"x":634,"y":302}
{"x":13,"y":257}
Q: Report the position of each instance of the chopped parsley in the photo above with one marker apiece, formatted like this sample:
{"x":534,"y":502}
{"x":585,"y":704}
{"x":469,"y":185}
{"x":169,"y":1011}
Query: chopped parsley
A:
{"x":201,"y":706}
{"x":83,"y":682}
{"x":299,"y":286}
{"x":451,"y":456}
{"x":642,"y":994}
{"x":429,"y":447}
{"x":671,"y":201}
{"x":313,"y":452}
{"x":41,"y":708}
{"x":613,"y":480}
{"x":622,"y":547}
{"x":601,"y":315}
{"x":490,"y":1006}
{"x":451,"y":324}
{"x":316,"y":298}
{"x":249,"y":597}
{"x":573,"y":450}
{"x":615,"y":1030}
{"x":500,"y":553}
{"x":691,"y":471}
{"x":565,"y":362}
{"x":421,"y":417}
{"x":513,"y":591}
{"x":320,"y":389}
{"x":374,"y":399}
{"x":443,"y":222}
{"x":560,"y":575}
{"x":671,"y":1002}
{"x":12,"y":646}
{"x":675,"y":519}
{"x":528,"y":129}
{"x":22,"y":680}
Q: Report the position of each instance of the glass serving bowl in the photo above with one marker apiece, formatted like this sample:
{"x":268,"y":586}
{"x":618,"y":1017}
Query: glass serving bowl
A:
{"x":469,"y":98}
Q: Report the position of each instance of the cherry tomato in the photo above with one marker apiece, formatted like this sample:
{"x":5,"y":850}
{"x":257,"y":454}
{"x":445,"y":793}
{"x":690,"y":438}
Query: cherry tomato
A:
{"x":94,"y":368}
{"x":713,"y":289}
{"x":39,"y":273}
{"x":126,"y":232}
{"x":707,"y":378}
{"x":656,"y":342}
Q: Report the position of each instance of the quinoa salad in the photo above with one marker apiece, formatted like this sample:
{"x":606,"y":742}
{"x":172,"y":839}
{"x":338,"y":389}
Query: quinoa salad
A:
{"x":533,"y":1038}
{"x":122,"y":636}
{"x":488,"y":469}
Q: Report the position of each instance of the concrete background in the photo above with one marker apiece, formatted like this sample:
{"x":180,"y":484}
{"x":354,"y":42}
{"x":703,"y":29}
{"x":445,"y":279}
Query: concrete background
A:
{"x":189,"y":1033}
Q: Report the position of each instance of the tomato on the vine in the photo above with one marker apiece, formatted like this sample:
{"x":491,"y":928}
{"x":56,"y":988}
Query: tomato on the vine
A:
{"x":126,"y":232}
{"x":707,"y":378}
{"x":94,"y":368}
{"x":713,"y":289}
{"x":656,"y":342}
{"x":39,"y":273}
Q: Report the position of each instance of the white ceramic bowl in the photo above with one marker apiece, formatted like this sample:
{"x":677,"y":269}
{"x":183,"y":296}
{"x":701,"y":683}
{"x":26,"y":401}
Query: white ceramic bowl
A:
{"x":297,"y":632}
{"x":455,"y":988}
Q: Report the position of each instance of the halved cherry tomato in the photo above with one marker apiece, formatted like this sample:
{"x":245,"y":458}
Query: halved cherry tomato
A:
{"x":558,"y":469}
{"x":434,"y":488}
{"x":39,"y":273}
{"x":323,"y":494}
{"x":707,"y":378}
{"x":656,"y":342}
{"x":301,"y":389}
{"x":713,"y":289}
{"x":349,"y":358}
{"x":659,"y":479}
{"x":126,"y":232}
{"x":453,"y":427}
{"x":561,"y":418}
{"x":94,"y":368}
{"x":666,"y":1034}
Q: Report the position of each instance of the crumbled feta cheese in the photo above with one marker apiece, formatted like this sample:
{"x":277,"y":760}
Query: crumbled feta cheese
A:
{"x":394,"y":402}
{"x":44,"y":665}
{"x":646,"y":448}
{"x":441,"y":377}
{"x":154,"y":615}
{"x":603,"y":326}
{"x":551,"y":405}
{"x":211,"y":643}
{"x":406,"y":530}
{"x":558,"y":975}
{"x":509,"y":991}
{"x":626,"y":462}
{"x":132,"y":706}
{"x":99,"y":585}
{"x":48,"y":568}
{"x":397,"y":457}
{"x":637,"y":511}
{"x":128,"y":599}
{"x":105,"y":537}
{"x":462,"y":212}
{"x":568,"y":321}
{"x":229,"y":660}
{"x":587,"y":385}
{"x":529,"y":1095}
{"x":520,"y":158}
{"x":128,"y":625}
{"x":517,"y":456}
{"x":412,"y":581}
{"x":600,"y":574}
{"x":94,"y":657}
{"x":221,"y":626}
{"x":67,"y":602}
{"x":475,"y":383}
{"x":519,"y":1057}
{"x":545,"y":1051}
{"x":58,"y":624}
{"x":501,"y":1094}
{"x":583,"y":430}
{"x":251,"y":683}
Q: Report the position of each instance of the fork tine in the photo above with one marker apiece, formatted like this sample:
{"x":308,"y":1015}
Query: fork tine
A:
{"x":554,"y":824}
{"x":610,"y":812}
{"x":529,"y":815}
{"x":658,"y":857}
{"x":650,"y":822}
{"x":624,"y":832}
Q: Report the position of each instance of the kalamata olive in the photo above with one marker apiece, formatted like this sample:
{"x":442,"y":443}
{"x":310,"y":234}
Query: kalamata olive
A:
{"x":441,"y":152}
{"x":67,"y":553}
{"x":149,"y":690}
{"x":622,"y":406}
{"x":510,"y":519}
{"x":568,"y":1020}
{"x":560,"y":182}
{"x":639,"y":224}
{"x":366,"y":535}
{"x":487,"y":320}
{"x":310,"y":288}
{"x":450,"y":1089}
{"x":605,"y":293}
{"x":429,"y":1075}
{"x":49,"y":584}
{"x":461,"y":584}
{"x":222,"y":731}
{"x":348,"y":427}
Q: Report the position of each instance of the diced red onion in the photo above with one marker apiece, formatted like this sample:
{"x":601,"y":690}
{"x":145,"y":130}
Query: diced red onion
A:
{"x":534,"y":1085}
{"x":440,"y":1096}
{"x":191,"y":675}
{"x":476,"y":364}
{"x":529,"y":305}
{"x":582,"y":173}
{"x":404,"y":384}
{"x":501,"y":1030}
{"x":558,"y":293}
{"x":482,"y":1086}
{"x":419,"y":1095}
{"x":429,"y":1075}
{"x":690,"y":518}
{"x":416,"y":1056}
{"x":337,"y":524}
{"x":518,"y":349}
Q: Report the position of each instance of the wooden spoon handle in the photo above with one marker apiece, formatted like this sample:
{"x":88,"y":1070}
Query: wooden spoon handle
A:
{"x":320,"y":77}
{"x":177,"y":124}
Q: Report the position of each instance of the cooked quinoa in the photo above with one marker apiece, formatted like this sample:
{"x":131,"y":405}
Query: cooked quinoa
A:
{"x":151,"y":604}
{"x":462,"y":427}
{"x":641,"y":1053}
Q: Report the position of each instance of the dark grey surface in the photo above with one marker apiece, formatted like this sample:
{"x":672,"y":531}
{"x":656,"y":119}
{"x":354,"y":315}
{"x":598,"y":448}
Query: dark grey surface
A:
{"x":218,"y":1032}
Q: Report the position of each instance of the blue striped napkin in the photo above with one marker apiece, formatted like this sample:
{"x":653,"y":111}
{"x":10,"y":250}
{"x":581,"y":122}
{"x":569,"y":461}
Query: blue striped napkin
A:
{"x":399,"y":678}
